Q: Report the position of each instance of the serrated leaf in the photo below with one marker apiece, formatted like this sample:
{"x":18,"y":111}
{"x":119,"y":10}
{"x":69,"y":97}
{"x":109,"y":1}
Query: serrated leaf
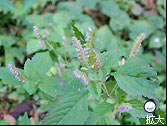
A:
{"x":135,"y":69}
{"x":78,"y":34}
{"x":137,"y":109}
{"x":99,"y":112}
{"x":51,"y":86}
{"x":30,"y":87}
{"x":24,"y":120}
{"x":71,"y":109}
{"x":132,"y":78}
{"x":38,"y":66}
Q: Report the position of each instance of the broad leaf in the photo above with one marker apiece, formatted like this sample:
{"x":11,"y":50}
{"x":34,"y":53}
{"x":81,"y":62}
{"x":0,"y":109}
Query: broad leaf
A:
{"x":38,"y":66}
{"x":71,"y":109}
{"x":132,"y":78}
{"x":6,"y":6}
{"x":99,"y":112}
{"x":137,"y":109}
{"x":51,"y":86}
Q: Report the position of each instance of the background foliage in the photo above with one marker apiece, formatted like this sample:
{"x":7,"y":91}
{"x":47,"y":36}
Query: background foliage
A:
{"x":116,"y":24}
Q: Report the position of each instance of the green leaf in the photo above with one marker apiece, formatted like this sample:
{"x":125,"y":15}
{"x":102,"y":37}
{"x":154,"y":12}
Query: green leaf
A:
{"x":120,"y":21}
{"x":118,"y":94}
{"x":110,"y":57}
{"x":56,"y":36}
{"x":3,"y":122}
{"x":63,"y":18}
{"x":71,"y":109}
{"x":73,"y":7}
{"x":30,"y":87}
{"x":137,"y":109}
{"x":7,"y":6}
{"x":139,"y":26}
{"x":24,"y":120}
{"x":7,"y":77}
{"x":51,"y":86}
{"x":40,"y":20}
{"x":109,"y":8}
{"x":157,"y":40}
{"x":78,"y":34}
{"x":32,"y":46}
{"x":104,"y":39}
{"x":99,"y":112}
{"x":132,"y":78}
{"x":7,"y":41}
{"x":156,"y":21}
{"x":38,"y":66}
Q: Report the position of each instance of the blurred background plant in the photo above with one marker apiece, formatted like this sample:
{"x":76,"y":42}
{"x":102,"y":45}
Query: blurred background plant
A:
{"x":116,"y":24}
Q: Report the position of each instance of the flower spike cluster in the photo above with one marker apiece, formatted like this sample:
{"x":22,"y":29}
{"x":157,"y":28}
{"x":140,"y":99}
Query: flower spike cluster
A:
{"x":89,"y":37}
{"x":87,"y":53}
{"x":93,"y":59}
{"x":136,"y":46}
{"x":17,"y":74}
{"x":124,"y":107}
{"x":39,"y":37}
{"x":81,"y":76}
{"x":79,"y":50}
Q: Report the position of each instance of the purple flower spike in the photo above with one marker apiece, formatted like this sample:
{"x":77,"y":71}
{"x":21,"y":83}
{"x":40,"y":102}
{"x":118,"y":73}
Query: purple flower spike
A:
{"x":125,"y":107}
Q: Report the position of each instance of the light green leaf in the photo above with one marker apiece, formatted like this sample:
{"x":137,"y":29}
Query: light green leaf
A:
{"x":71,"y":109}
{"x":30,"y":87}
{"x":40,"y":20}
{"x":73,"y":7}
{"x":7,"y":6}
{"x":38,"y":66}
{"x":7,"y":41}
{"x":157,"y":40}
{"x":51,"y":86}
{"x":24,"y":120}
{"x":120,"y":21}
{"x":139,"y":26}
{"x":99,"y":112}
{"x":132,"y":78}
{"x":3,"y":122}
{"x":109,"y":8}
{"x":63,"y":18}
{"x":32,"y":46}
{"x":156,"y":21}
{"x":137,"y":109}
{"x":104,"y":39}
